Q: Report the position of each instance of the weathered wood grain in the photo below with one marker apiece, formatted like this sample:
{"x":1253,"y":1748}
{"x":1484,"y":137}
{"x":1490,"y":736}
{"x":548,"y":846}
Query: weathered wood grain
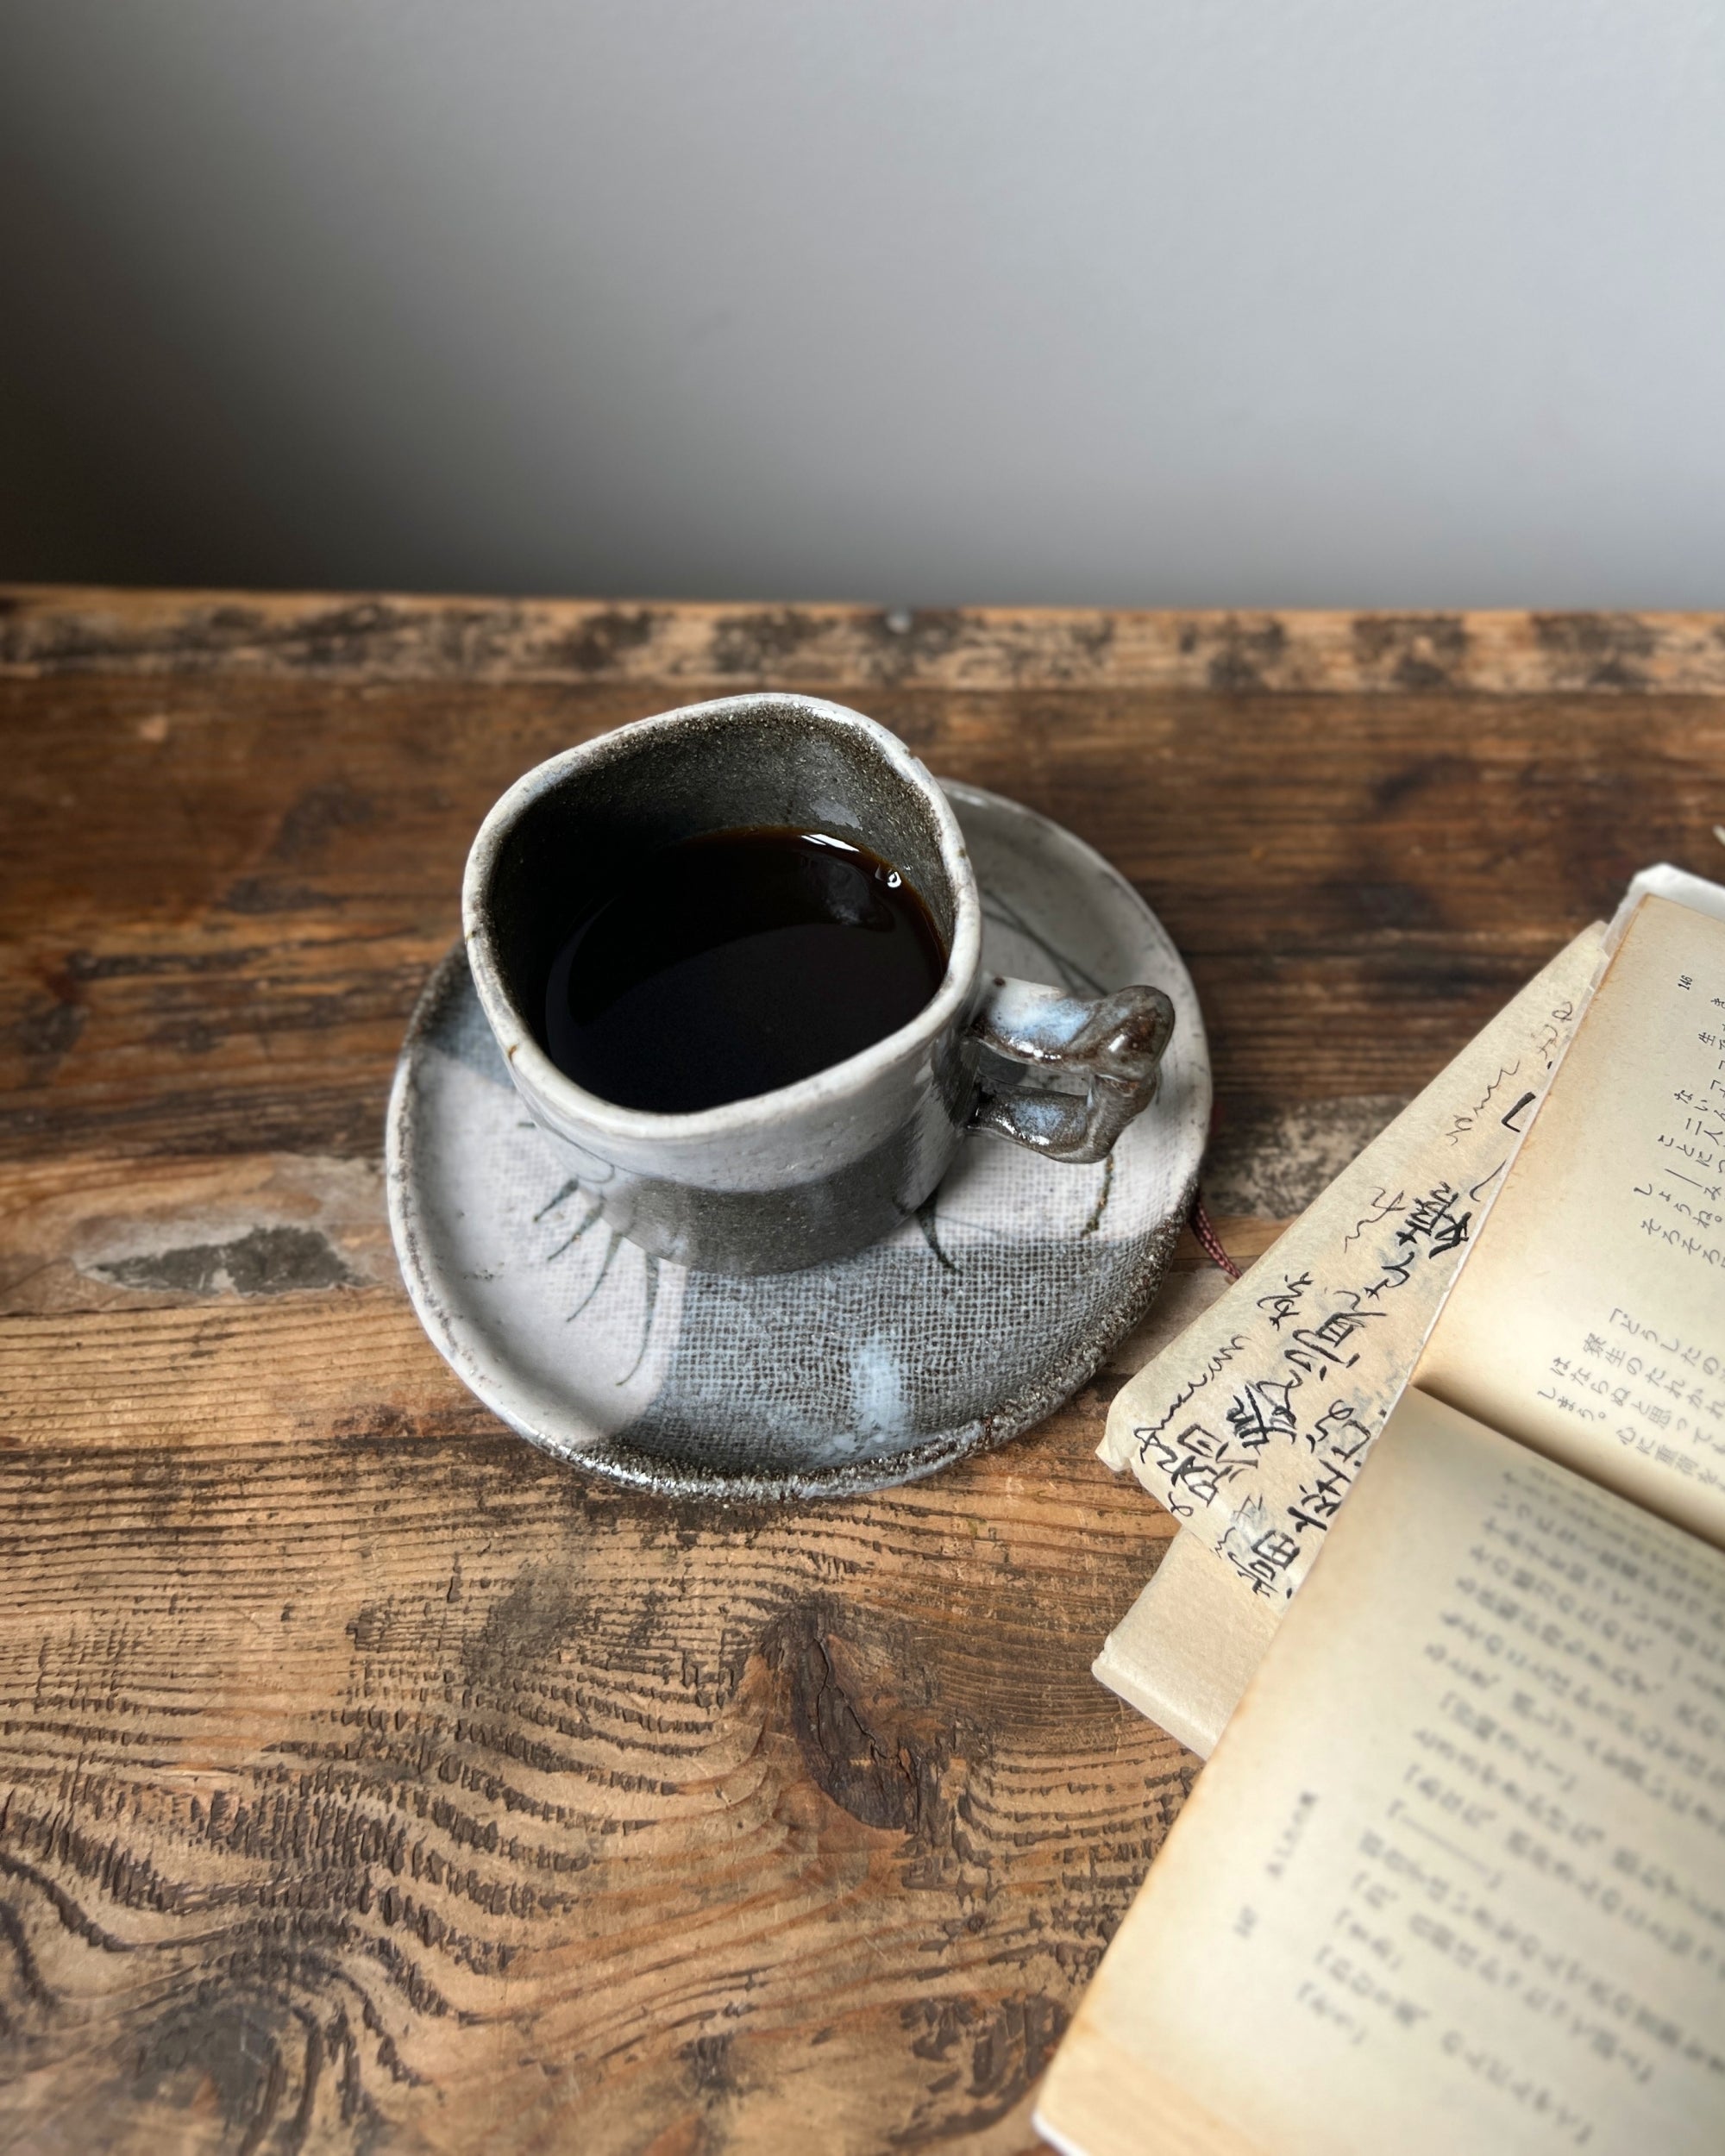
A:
{"x":357,"y":1783}
{"x":715,"y":648}
{"x":367,"y":1781}
{"x":218,"y":913}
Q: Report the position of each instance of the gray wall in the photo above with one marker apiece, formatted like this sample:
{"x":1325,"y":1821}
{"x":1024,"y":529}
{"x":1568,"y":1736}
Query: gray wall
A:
{"x":1394,"y":302}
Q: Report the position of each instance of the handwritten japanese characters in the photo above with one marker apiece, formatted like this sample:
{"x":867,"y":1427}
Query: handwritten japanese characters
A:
{"x":1252,"y":1426}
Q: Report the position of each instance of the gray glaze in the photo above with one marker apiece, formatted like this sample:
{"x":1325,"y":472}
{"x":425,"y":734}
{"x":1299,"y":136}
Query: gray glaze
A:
{"x":966,"y":1326}
{"x":814,"y":1170}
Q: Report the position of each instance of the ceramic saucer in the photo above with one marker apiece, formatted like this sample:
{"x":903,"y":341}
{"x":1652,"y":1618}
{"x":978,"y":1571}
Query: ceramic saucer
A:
{"x":972,"y":1322}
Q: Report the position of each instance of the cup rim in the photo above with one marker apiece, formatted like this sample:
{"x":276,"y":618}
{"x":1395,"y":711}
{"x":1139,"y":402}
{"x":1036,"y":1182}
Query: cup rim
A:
{"x":534,"y":1069}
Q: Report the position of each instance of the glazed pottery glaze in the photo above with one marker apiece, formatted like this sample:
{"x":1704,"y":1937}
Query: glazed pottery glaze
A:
{"x":824,"y":1167}
{"x":972,"y":1321}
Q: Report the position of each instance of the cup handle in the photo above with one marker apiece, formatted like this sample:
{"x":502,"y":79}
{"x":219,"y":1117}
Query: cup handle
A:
{"x":1109,"y":1046}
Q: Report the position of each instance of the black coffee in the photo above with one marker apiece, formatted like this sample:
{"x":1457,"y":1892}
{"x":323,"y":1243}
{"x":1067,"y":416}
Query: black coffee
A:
{"x":736,"y":962}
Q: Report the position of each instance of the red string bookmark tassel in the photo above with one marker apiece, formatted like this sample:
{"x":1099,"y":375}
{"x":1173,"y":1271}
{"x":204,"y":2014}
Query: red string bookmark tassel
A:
{"x":1205,"y":1229}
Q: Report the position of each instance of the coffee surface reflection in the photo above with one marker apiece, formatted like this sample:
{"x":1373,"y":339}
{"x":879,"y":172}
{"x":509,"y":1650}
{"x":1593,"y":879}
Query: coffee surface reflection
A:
{"x":735,"y":964}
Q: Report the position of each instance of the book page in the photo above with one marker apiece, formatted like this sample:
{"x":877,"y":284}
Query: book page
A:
{"x":1454,"y":1879}
{"x":1188,"y":1646}
{"x":1590,"y":1320}
{"x":1251,"y":1426}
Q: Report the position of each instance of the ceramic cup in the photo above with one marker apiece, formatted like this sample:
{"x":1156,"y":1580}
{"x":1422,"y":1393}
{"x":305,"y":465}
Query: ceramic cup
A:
{"x":813,"y":1170}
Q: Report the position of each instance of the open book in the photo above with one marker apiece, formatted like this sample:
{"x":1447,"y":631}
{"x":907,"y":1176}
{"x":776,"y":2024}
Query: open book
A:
{"x":1249,"y":1427}
{"x":1454,"y":1878}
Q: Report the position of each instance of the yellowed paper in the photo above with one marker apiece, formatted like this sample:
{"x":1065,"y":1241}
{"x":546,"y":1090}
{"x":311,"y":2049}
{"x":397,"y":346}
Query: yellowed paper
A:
{"x":1188,"y":1648}
{"x":1251,"y":1427}
{"x":1590,"y":1319}
{"x":1452,"y":1880}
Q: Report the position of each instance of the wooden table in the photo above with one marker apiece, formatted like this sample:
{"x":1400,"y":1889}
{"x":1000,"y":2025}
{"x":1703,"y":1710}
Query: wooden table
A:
{"x":367,"y":1780}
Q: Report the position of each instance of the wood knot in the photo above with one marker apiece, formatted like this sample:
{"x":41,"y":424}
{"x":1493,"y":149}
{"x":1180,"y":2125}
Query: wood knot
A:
{"x":852,"y":1723}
